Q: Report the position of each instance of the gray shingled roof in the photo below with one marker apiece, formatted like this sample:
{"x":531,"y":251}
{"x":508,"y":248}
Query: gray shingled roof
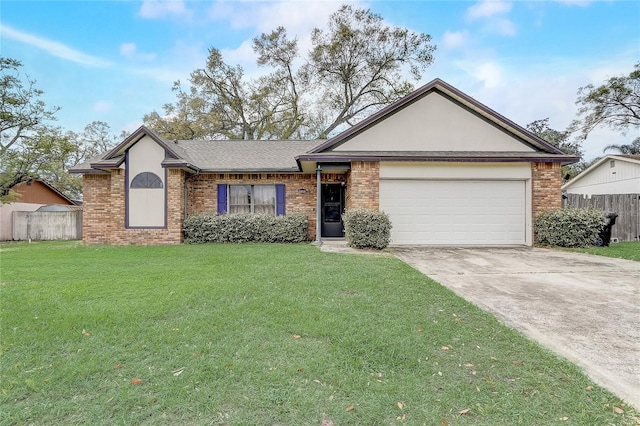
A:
{"x":243,"y":155}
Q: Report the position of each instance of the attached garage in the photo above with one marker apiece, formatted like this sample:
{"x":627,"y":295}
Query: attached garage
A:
{"x":458,"y":204}
{"x":455,"y":212}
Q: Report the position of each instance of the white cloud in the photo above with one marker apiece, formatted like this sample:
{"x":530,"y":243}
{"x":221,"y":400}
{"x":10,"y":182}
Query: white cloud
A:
{"x":454,"y":40}
{"x":298,"y":17}
{"x":488,"y":9}
{"x":493,"y":14}
{"x":503,"y":27}
{"x":153,"y":9}
{"x":101,"y":106}
{"x":489,"y":74}
{"x":127,"y":49}
{"x":53,"y":48}
{"x":130,"y":50}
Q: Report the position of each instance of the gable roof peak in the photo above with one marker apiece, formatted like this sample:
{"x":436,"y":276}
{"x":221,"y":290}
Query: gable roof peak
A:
{"x":446,"y":89}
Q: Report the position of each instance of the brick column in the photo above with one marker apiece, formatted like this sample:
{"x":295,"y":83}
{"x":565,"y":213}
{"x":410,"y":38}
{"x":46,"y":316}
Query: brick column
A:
{"x":546,"y":183}
{"x":363,"y":185}
{"x":96,"y":191}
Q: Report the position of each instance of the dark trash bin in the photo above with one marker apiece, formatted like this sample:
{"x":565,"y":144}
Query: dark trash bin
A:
{"x":604,"y":237}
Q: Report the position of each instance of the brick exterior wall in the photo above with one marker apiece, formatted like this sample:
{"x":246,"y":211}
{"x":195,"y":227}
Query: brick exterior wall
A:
{"x":300,"y":191}
{"x":104,"y":198}
{"x":363,"y":185}
{"x":546,"y":183}
{"x":104,"y":211}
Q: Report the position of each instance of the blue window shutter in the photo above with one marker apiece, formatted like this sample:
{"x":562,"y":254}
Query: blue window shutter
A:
{"x":280,"y":200}
{"x":222,"y":199}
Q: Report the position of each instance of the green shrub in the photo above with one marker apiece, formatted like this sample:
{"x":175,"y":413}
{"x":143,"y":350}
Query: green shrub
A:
{"x":367,"y":228}
{"x":242,"y":228}
{"x":570,"y":227}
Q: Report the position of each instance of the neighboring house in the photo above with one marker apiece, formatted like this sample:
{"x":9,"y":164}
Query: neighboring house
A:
{"x":612,"y":174}
{"x":611,"y":184}
{"x":33,"y":195}
{"x":447,"y":170}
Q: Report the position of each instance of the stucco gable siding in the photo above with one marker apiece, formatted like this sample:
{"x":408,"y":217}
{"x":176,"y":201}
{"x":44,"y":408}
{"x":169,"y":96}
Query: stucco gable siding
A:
{"x":434,"y":123}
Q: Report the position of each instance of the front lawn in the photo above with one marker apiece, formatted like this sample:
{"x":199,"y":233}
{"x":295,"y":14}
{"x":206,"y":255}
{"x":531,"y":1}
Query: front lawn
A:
{"x":624,"y":250}
{"x":264,"y":335}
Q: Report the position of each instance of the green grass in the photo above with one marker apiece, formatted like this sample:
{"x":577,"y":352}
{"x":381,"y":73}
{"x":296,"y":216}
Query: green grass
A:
{"x":624,"y":250}
{"x":265,"y":335}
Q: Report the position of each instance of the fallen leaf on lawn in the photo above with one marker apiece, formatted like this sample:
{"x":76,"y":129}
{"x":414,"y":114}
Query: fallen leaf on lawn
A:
{"x":468,"y":365}
{"x":178,"y":371}
{"x":296,"y":336}
{"x":136,"y":381}
{"x":400,"y":405}
{"x":465,"y":411}
{"x":350,"y":408}
{"x":589,"y":388}
{"x":420,"y":330}
{"x":317,"y":381}
{"x":445,"y":348}
{"x":618,"y":410}
{"x":85,"y":333}
{"x":117,"y":367}
{"x":327,"y":422}
{"x":565,"y":418}
{"x":444,"y":422}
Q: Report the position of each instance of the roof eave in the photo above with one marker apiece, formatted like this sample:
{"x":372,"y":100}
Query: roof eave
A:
{"x":564,"y":159}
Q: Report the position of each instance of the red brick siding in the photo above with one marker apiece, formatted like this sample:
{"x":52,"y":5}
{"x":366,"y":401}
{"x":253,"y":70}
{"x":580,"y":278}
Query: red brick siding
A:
{"x":363,"y":185}
{"x":104,"y":211}
{"x":546,"y":183}
{"x":203,"y":191}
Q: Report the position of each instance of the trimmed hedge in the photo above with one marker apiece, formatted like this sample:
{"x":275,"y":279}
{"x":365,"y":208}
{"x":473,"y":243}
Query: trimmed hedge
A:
{"x":366,"y":228}
{"x":572,"y":227}
{"x":242,"y":228}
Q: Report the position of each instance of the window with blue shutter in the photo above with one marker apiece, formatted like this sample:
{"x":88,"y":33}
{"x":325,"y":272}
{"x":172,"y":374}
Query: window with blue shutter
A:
{"x":222,"y":199}
{"x":280,"y":200}
{"x":259,"y":199}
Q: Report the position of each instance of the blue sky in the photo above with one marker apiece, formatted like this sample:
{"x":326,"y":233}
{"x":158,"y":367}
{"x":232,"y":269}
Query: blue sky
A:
{"x":115,"y":61}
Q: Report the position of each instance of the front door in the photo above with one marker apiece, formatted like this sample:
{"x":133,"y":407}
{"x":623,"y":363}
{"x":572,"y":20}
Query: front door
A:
{"x":332,"y":208}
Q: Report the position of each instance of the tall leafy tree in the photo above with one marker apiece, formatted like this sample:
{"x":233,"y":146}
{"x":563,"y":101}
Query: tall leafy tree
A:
{"x":614,"y":104}
{"x":359,"y":62}
{"x":353,"y":68}
{"x":21,"y":110}
{"x":632,"y":148}
{"x":562,"y":140}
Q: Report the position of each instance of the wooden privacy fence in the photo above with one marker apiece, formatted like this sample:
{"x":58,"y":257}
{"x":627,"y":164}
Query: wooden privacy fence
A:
{"x":47,"y":225}
{"x":627,"y":227}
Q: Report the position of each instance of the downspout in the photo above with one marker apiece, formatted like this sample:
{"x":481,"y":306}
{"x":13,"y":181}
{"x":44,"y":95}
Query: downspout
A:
{"x":318,"y":205}
{"x":185,"y":195}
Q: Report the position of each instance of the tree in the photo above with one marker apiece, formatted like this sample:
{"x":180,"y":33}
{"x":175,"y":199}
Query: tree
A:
{"x":557,"y":138}
{"x":354,"y":68}
{"x":31,"y":147}
{"x":358,"y":64}
{"x":614,"y":104}
{"x":561,"y":140}
{"x":632,"y":148}
{"x":21,"y":109}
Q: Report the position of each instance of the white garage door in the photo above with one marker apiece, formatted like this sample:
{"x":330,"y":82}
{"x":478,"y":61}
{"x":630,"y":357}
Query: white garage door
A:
{"x":446,"y":212}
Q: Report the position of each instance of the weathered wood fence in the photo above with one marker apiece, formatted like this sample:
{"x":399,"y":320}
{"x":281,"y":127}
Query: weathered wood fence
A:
{"x":47,"y":225}
{"x":627,"y":227}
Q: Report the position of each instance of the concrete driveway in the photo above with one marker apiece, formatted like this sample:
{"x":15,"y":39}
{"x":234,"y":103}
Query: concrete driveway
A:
{"x":585,"y":308}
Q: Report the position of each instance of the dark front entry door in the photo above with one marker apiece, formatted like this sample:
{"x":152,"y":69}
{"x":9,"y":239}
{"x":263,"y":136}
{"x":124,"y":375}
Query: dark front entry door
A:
{"x":332,"y":209}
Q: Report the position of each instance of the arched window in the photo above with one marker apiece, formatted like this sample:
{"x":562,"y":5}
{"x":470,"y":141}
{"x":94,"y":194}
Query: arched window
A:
{"x":146,"y":180}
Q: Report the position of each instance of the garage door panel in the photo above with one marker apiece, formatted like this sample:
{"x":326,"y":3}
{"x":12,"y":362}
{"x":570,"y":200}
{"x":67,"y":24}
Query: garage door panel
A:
{"x":451,"y":212}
